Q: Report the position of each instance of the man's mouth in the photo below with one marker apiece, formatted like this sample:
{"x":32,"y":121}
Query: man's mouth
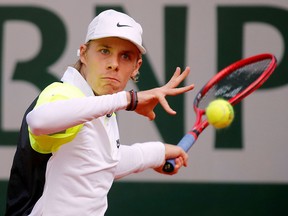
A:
{"x":112,"y":79}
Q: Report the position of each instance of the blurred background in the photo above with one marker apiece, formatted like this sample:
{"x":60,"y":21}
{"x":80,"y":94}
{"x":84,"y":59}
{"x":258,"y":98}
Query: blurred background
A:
{"x":241,"y":170}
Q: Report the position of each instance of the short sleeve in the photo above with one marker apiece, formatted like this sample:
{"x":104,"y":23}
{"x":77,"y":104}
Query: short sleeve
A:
{"x":52,"y":142}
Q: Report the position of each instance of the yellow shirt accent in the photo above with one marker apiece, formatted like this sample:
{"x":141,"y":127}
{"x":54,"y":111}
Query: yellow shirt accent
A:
{"x":51,"y":143}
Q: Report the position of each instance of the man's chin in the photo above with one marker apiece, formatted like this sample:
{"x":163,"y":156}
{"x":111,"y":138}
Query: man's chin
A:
{"x":109,"y":90}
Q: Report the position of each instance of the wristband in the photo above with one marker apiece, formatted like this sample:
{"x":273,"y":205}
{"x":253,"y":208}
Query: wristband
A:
{"x":134,"y":100}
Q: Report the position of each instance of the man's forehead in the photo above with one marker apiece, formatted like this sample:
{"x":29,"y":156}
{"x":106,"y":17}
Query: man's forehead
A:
{"x":113,"y":42}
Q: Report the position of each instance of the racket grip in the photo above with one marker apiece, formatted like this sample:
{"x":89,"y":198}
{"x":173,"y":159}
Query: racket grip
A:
{"x":185,"y":143}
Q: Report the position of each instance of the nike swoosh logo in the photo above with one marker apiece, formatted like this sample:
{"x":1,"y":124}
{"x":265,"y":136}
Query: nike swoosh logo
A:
{"x":119,"y":25}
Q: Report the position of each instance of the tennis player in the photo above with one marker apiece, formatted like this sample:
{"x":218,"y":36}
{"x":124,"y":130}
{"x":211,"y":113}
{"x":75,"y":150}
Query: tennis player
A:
{"x":71,"y":134}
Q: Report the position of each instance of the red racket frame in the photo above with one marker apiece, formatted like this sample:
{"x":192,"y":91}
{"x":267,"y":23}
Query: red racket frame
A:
{"x":198,"y":126}
{"x":190,"y":137}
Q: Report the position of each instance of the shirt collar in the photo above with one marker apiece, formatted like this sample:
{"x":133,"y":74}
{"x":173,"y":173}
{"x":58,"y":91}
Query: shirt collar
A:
{"x":73,"y":77}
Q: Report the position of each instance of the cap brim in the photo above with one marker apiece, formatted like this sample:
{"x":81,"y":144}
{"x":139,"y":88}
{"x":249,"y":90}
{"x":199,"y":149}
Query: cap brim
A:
{"x":140,"y":47}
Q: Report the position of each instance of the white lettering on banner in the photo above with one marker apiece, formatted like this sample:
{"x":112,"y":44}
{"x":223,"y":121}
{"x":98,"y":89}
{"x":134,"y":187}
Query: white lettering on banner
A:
{"x":6,"y":158}
{"x":15,"y":51}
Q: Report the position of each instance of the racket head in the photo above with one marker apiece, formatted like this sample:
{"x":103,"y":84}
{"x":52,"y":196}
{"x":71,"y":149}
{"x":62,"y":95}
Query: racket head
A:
{"x":233,"y":84}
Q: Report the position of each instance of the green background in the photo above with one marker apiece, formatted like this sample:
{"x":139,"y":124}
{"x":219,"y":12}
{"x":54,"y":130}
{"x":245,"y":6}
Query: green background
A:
{"x":186,"y":199}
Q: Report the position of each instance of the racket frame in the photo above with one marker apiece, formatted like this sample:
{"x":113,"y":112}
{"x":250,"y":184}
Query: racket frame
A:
{"x":200,"y":124}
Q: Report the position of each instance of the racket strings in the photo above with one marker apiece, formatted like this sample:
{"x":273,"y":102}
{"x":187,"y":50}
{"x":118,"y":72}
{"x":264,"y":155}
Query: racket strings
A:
{"x":234,"y":82}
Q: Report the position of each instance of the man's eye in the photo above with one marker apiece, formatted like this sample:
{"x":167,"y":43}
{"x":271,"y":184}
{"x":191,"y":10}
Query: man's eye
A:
{"x":126,"y":56}
{"x":104,"y":51}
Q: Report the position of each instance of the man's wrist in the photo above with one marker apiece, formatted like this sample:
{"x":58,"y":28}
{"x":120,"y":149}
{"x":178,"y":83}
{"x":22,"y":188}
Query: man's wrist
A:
{"x":132,"y":99}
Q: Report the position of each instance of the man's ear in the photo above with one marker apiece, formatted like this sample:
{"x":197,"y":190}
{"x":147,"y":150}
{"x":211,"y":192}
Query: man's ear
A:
{"x":82,"y":53}
{"x":137,"y":67}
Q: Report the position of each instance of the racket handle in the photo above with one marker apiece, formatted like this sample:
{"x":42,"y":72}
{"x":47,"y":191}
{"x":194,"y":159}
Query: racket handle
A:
{"x":185,"y":143}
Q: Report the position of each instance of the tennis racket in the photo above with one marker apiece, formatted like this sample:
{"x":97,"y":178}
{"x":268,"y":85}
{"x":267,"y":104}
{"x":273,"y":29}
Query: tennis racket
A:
{"x":233,"y":84}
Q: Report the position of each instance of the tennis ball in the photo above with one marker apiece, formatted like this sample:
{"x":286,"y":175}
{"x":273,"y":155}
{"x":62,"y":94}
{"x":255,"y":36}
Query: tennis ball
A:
{"x":220,"y":113}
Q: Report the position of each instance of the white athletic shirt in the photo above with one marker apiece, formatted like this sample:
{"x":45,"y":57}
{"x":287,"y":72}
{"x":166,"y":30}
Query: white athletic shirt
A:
{"x":80,"y":173}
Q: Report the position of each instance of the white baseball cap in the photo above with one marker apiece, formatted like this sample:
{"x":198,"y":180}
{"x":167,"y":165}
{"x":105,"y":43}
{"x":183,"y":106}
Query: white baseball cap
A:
{"x":111,"y":23}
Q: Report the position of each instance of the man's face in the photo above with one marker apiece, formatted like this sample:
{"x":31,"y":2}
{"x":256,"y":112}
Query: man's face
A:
{"x":109,"y":63}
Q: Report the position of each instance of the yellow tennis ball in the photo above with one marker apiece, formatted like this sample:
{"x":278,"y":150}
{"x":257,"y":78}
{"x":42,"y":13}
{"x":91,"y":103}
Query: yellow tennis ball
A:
{"x":220,"y":113}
